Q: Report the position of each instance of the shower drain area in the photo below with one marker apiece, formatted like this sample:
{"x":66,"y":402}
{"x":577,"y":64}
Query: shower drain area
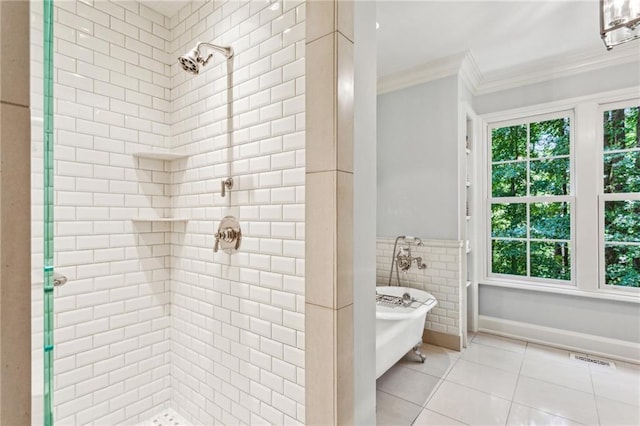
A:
{"x":166,"y":417}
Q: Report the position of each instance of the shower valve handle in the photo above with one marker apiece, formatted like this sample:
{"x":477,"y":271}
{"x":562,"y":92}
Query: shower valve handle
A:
{"x":226,"y":185}
{"x":228,"y":236}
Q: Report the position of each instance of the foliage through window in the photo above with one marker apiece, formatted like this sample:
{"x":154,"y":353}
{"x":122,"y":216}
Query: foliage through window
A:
{"x":621,"y":188}
{"x":531,"y":199}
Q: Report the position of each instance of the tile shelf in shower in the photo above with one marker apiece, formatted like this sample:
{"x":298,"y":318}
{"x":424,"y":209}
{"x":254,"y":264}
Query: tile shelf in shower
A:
{"x":157,"y":155}
{"x":159,"y":219}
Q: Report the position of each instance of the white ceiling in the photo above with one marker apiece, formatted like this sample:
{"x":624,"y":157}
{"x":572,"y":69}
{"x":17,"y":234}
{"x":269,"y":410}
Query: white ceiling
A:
{"x":499,"y":34}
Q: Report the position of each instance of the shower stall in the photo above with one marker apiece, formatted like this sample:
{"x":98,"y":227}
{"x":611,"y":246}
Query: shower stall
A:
{"x":130,"y":158}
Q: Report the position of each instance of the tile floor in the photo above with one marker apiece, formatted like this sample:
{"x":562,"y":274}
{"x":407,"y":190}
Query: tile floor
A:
{"x":498,"y":381}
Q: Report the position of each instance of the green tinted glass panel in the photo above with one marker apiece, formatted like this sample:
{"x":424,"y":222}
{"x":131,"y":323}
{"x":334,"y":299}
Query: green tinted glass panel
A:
{"x":550,"y":177}
{"x":622,"y":221}
{"x":509,"y":180}
{"x":550,"y":260}
{"x":622,"y":172}
{"x":509,"y":143}
{"x":509,"y":220}
{"x":550,"y":221}
{"x":509,"y":257}
{"x":621,"y":128}
{"x":48,"y":174}
{"x":550,"y":138}
{"x":622,"y":264}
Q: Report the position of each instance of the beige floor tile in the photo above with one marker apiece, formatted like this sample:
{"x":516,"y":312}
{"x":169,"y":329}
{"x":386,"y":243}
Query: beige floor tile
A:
{"x":537,"y":352}
{"x":394,"y":411}
{"x":437,"y":364}
{"x":431,"y":418}
{"x":500,"y":342}
{"x":487,"y":379}
{"x":468,"y":405}
{"x":563,"y":374}
{"x":493,"y":357}
{"x":408,"y":384}
{"x":558,"y":400}
{"x":521,"y":415}
{"x":617,"y":413}
{"x":619,"y":384}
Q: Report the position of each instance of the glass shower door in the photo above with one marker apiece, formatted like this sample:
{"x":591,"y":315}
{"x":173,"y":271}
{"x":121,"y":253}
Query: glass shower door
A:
{"x":48,"y":269}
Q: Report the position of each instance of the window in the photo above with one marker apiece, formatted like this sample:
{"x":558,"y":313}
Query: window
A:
{"x":620,"y":199}
{"x":531,"y":198}
{"x":562,"y":197}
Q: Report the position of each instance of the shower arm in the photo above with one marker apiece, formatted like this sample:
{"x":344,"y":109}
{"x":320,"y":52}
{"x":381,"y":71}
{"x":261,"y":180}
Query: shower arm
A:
{"x":226,"y":51}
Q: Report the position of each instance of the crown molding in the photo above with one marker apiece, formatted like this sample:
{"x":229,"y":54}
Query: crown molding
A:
{"x":480,"y":83}
{"x":434,"y":70}
{"x":470,"y":72}
{"x":556,"y":67}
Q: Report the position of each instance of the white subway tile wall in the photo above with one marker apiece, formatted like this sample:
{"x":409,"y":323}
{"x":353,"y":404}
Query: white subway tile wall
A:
{"x":238,"y":320}
{"x":151,"y":318}
{"x":441,"y":278}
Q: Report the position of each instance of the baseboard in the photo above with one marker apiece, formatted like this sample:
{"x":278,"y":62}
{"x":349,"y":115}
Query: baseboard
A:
{"x":449,"y":341}
{"x":565,"y":339}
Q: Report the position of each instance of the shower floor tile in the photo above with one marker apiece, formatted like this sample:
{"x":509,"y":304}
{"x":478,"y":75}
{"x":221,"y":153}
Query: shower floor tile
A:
{"x":166,"y":417}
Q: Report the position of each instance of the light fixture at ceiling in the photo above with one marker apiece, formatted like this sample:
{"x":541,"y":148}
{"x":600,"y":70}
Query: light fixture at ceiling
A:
{"x":619,"y":21}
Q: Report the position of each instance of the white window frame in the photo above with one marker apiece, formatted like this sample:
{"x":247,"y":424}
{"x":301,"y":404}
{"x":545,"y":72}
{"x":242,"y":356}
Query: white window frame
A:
{"x":529,"y":199}
{"x":604,"y":197}
{"x":586,"y":183}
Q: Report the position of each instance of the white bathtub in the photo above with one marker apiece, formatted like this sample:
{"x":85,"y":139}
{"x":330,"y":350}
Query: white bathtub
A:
{"x":399,"y":327}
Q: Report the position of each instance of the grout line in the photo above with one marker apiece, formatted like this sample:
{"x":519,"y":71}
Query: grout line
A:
{"x":595,"y":397}
{"x":443,"y":415}
{"x":515,"y":388}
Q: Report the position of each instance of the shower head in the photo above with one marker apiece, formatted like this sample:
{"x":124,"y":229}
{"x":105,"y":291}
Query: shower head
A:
{"x":191,"y":61}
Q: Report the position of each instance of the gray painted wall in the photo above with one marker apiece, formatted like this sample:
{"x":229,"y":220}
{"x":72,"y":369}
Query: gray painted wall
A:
{"x":606,"y":318}
{"x":587,"y":83}
{"x":418,"y":161}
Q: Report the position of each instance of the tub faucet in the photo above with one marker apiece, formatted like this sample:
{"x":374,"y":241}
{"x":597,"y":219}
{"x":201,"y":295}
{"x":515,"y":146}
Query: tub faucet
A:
{"x":403,"y":258}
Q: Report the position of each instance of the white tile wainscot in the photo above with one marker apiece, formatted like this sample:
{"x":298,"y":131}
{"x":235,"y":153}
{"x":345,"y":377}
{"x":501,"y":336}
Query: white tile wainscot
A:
{"x":442,"y":278}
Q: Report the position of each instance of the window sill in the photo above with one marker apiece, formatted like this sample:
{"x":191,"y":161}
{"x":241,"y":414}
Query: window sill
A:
{"x":566,"y":290}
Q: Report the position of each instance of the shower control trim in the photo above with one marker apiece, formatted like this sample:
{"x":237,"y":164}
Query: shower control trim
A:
{"x":226,"y":185}
{"x":229,"y":235}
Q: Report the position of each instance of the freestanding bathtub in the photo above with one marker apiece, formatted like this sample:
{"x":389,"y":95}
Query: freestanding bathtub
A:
{"x":399,"y":326}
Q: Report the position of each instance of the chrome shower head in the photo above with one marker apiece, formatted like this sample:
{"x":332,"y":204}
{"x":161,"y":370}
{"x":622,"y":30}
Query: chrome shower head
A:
{"x":191,"y":61}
